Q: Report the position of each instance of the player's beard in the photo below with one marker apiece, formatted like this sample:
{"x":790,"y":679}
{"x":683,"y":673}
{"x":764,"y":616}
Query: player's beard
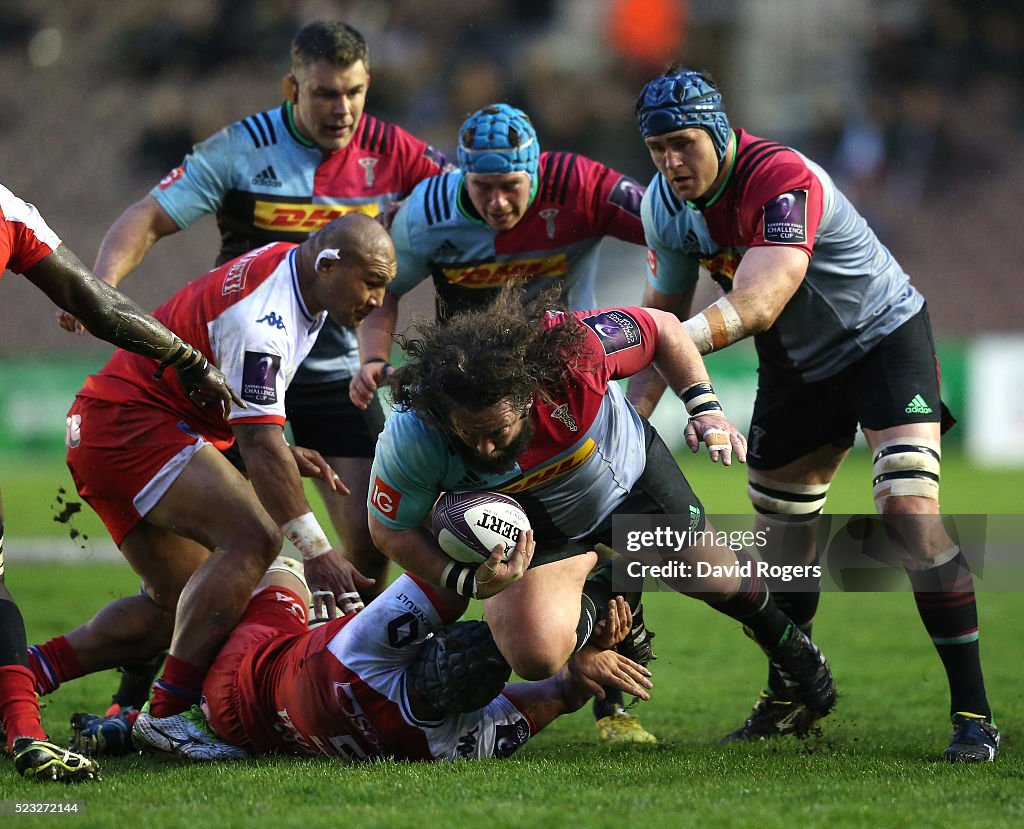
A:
{"x":500,"y":460}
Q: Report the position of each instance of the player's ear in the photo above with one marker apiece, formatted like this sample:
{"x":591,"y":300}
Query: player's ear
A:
{"x":290,"y":88}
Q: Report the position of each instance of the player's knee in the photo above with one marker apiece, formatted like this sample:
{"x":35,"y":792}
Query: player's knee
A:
{"x":259,"y":543}
{"x":906,"y":476}
{"x":534,"y":660}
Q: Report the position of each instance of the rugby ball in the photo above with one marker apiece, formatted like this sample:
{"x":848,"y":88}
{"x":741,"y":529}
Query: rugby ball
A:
{"x":468,"y":525}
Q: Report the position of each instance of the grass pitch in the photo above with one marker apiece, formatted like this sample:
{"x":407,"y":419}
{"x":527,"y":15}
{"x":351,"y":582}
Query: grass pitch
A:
{"x":875,"y":764}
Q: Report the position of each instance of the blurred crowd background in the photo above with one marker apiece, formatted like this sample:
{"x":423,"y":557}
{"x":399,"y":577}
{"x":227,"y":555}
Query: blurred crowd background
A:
{"x":915,"y":106}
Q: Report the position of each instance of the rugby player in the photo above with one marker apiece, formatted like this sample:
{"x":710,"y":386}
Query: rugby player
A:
{"x":186,"y":520}
{"x":29,"y":247}
{"x":843,"y":340}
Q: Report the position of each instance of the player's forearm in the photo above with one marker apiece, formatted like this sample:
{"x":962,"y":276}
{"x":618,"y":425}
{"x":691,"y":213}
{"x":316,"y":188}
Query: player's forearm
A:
{"x":273,"y":471}
{"x":414,"y":550}
{"x":676,"y":357}
{"x":129,"y":239}
{"x":105,"y":312}
{"x":374,"y":333}
{"x":644,"y":390}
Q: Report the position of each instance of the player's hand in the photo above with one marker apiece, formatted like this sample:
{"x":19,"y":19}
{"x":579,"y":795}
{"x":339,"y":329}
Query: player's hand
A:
{"x":334,"y":574}
{"x":209,"y":386}
{"x":615,"y":626}
{"x":69,"y":322}
{"x":594,"y":669}
{"x":363,"y":388}
{"x":719,"y":435}
{"x":312,"y":464}
{"x":494,"y":575}
{"x":387,"y":216}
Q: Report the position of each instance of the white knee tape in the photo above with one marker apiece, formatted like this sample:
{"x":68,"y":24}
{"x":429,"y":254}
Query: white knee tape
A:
{"x":781,"y":498}
{"x":906,"y":466}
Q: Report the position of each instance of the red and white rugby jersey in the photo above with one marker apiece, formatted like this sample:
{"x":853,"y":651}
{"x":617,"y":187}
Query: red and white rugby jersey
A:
{"x":249,"y":319}
{"x":25,"y":238}
{"x":340,"y":691}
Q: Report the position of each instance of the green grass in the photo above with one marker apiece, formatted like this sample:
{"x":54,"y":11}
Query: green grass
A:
{"x":30,"y":485}
{"x":875,"y":765}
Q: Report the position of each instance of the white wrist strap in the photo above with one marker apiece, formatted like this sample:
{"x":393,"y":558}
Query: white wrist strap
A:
{"x":307,"y":536}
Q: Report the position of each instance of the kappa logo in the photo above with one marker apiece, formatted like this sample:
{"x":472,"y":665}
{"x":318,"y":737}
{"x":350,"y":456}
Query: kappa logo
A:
{"x":549,"y":216}
{"x":385,"y":498}
{"x":274,"y":321}
{"x":267,"y":178}
{"x":368,"y":165}
{"x":562,"y":413}
{"x":918,"y":406}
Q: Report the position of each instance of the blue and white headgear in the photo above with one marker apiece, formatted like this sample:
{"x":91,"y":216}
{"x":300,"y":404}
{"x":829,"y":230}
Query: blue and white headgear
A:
{"x":498,"y":139}
{"x":681,"y":99}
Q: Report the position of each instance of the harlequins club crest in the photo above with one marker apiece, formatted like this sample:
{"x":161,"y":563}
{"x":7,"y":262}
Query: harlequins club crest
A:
{"x":548,"y":216}
{"x":562,"y":413}
{"x":368,"y":164}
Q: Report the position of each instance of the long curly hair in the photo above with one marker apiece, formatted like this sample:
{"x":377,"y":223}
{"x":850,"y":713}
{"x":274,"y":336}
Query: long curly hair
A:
{"x":482,"y":357}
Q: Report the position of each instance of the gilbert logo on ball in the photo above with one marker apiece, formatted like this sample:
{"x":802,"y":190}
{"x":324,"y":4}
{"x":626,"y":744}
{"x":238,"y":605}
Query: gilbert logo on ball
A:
{"x":469,"y":525}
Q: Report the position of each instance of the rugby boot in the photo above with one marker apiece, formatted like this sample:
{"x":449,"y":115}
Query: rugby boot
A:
{"x":975,"y":740}
{"x":773,"y":717}
{"x":186,"y":736}
{"x":41,"y":760}
{"x":804,"y":675}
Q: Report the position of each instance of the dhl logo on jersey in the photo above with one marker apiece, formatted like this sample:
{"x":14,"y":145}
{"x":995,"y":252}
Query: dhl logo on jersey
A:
{"x":722,"y":266}
{"x":304,"y":218}
{"x":496,"y":274}
{"x":553,"y":470}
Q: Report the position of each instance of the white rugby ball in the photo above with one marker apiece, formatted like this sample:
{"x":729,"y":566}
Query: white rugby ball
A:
{"x":468,"y":525}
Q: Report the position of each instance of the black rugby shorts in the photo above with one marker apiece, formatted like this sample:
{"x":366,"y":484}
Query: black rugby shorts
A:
{"x":895,"y":383}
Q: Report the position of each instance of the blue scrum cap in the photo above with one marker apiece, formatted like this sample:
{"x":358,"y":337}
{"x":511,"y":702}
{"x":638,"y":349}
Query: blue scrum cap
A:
{"x":681,"y":99}
{"x":498,"y":139}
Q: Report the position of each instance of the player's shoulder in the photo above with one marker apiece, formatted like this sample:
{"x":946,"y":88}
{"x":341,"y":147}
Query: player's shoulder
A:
{"x":560,"y":175}
{"x":255,"y":132}
{"x":380,"y":137}
{"x":433,"y":202}
{"x":761,"y":158}
{"x":659,"y":204}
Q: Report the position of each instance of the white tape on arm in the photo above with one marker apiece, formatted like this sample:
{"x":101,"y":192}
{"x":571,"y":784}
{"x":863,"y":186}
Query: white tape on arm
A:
{"x":715,"y":327}
{"x":307,"y":536}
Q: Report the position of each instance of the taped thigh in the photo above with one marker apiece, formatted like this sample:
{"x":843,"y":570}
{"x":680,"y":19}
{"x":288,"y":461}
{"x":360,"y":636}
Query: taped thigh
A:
{"x":798,"y":502}
{"x":907,"y":465}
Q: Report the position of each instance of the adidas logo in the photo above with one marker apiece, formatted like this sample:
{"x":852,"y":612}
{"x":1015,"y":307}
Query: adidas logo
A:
{"x":470,"y":481}
{"x":266,"y":178}
{"x":918,"y":406}
{"x":694,"y":518}
{"x":447,"y":251}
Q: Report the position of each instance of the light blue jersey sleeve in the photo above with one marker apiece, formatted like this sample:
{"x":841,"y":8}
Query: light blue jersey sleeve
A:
{"x":410,"y":463}
{"x":669,"y":269}
{"x":197,"y":188}
{"x":413,"y":264}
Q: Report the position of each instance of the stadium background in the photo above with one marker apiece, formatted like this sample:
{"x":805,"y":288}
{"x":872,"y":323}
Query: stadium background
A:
{"x":915,"y":106}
